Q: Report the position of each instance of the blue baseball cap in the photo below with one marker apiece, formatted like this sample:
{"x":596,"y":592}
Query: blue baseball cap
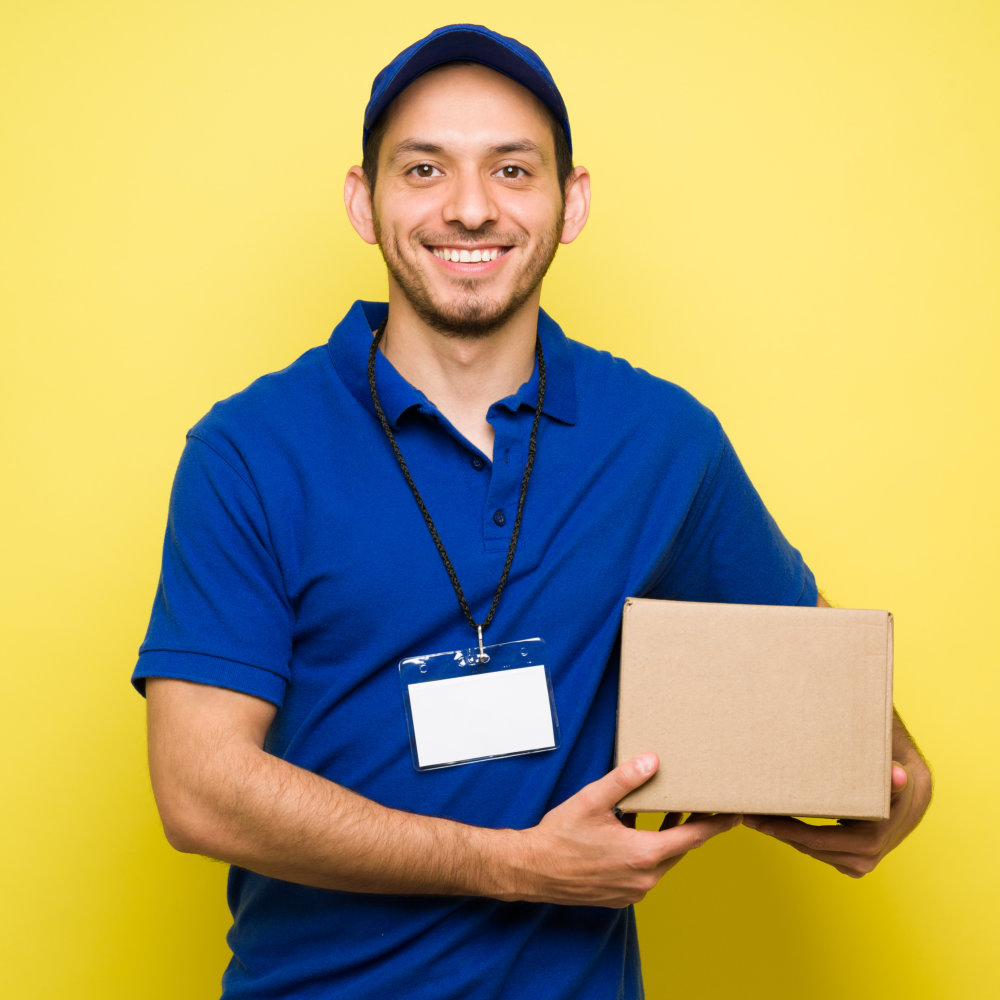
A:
{"x":472,"y":43}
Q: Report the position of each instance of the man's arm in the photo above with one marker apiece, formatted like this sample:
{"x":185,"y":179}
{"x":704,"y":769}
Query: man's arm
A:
{"x":855,"y":847}
{"x":221,"y":794}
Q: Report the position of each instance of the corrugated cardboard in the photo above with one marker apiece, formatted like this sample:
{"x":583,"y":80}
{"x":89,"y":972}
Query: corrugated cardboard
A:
{"x":758,"y":709}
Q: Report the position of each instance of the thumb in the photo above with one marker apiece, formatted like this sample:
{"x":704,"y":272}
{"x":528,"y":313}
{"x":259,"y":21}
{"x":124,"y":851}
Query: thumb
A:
{"x":899,"y":778}
{"x":605,"y":793}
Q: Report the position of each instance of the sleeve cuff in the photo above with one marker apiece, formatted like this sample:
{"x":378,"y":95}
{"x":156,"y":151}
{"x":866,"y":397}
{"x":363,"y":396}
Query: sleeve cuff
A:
{"x":214,"y":670}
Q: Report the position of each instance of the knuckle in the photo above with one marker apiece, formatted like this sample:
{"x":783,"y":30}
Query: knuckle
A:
{"x":647,"y":882}
{"x":630,"y":899}
{"x":694,"y":836}
{"x":858,"y":867}
{"x":643,"y":875}
{"x":865,"y":866}
{"x":637,"y":894}
{"x":645,"y":860}
{"x":699,"y":839}
{"x":871,"y":844}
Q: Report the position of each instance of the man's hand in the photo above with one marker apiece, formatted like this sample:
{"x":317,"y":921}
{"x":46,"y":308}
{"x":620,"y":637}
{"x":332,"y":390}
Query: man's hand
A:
{"x":855,"y":847}
{"x":581,"y":853}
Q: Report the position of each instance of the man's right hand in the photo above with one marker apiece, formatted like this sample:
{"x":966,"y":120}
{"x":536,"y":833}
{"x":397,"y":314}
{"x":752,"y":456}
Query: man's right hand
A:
{"x":582,"y":854}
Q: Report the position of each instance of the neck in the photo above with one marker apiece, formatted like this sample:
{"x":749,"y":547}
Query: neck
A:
{"x":463,"y":377}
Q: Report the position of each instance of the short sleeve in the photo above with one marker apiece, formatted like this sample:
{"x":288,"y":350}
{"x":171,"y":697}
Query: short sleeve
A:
{"x":730,"y":549}
{"x":221,"y":615}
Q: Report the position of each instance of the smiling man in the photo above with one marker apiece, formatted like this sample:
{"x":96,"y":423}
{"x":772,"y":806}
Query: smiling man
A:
{"x":381,"y":668}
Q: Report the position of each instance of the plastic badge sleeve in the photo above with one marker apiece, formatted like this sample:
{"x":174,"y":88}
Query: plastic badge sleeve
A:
{"x":463,"y":707}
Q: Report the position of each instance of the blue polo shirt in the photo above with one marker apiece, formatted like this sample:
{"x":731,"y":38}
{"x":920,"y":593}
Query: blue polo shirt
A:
{"x":297,"y":568}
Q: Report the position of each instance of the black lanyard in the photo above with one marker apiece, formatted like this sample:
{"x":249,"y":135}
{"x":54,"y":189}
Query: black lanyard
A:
{"x":452,"y":575}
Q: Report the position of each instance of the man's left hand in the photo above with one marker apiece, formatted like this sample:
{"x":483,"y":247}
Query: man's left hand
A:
{"x":855,"y":847}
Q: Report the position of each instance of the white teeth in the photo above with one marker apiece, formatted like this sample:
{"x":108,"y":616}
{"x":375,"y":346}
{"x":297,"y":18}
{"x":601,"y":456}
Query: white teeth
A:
{"x":467,"y":256}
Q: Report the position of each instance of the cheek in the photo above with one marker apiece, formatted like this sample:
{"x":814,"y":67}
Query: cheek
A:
{"x":538,"y":215}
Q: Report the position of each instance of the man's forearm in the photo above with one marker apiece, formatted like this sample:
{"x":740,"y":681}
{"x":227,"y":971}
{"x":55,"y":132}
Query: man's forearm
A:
{"x":220,"y":794}
{"x":254,"y":810}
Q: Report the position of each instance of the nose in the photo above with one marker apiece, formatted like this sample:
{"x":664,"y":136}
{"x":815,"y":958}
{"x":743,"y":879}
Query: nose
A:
{"x":470,"y":201}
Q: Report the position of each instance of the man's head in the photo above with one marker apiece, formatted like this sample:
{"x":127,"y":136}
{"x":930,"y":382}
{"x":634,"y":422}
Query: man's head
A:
{"x":471,"y":200}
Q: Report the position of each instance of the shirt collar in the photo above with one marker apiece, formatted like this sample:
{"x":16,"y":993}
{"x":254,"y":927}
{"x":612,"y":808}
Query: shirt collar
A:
{"x":351,"y":341}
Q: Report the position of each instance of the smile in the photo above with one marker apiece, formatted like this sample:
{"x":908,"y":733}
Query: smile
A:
{"x":467,"y":256}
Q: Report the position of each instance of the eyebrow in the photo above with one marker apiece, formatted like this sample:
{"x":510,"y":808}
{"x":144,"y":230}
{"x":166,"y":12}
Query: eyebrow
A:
{"x":521,"y":146}
{"x":409,"y":146}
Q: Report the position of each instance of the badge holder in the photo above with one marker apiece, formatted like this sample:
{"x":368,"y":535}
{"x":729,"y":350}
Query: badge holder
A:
{"x":479,"y":704}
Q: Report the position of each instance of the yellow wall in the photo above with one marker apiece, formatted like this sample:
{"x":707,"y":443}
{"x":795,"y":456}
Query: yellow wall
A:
{"x":795,"y":216}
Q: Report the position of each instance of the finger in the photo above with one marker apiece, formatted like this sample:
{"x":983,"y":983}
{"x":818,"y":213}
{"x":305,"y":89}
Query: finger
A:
{"x":736,"y":818}
{"x":687,"y":836}
{"x":852,"y":865}
{"x":674,"y":819}
{"x":791,"y":831}
{"x":694,"y":817}
{"x":607,"y":792}
{"x":861,"y":838}
{"x":899,"y":778}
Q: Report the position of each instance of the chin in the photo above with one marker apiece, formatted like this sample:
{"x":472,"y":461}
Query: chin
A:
{"x":472,"y":321}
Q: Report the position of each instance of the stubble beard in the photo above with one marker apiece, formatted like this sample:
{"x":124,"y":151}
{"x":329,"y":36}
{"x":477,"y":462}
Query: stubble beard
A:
{"x":470,"y":314}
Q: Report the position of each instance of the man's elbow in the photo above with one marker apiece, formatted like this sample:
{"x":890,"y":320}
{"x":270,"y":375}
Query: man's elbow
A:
{"x":201,"y":740}
{"x":188,"y":824}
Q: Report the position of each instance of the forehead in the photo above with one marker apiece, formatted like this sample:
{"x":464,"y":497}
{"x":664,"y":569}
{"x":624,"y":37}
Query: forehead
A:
{"x":462,"y":103}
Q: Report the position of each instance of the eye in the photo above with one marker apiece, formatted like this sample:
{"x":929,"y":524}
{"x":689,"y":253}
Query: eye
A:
{"x":512,"y":172}
{"x":425,"y":170}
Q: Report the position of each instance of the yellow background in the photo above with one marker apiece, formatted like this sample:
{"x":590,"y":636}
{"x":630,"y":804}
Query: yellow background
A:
{"x":795,"y":216}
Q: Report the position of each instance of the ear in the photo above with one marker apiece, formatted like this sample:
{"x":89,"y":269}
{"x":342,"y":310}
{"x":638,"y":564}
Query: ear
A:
{"x":577,"y":208}
{"x":358,"y":201}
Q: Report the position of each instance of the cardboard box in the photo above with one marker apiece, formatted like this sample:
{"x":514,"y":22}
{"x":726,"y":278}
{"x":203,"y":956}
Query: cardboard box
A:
{"x":758,"y":709}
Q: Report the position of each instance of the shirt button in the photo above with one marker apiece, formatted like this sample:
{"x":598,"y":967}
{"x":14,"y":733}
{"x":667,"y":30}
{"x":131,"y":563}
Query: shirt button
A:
{"x":477,"y":462}
{"x":498,"y":518}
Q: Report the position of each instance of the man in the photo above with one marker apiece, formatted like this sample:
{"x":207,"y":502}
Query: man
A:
{"x":447,"y":466}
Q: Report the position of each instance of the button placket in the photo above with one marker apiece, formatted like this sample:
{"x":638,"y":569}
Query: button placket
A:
{"x":509,"y":455}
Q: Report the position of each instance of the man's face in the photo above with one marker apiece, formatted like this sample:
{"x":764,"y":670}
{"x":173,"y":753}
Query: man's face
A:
{"x":468,"y":209}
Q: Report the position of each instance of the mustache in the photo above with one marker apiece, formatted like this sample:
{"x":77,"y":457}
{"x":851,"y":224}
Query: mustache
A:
{"x":488,"y":237}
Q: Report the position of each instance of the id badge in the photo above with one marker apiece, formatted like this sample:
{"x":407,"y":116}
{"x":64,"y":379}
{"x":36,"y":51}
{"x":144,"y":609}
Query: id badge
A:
{"x":462,"y":707}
